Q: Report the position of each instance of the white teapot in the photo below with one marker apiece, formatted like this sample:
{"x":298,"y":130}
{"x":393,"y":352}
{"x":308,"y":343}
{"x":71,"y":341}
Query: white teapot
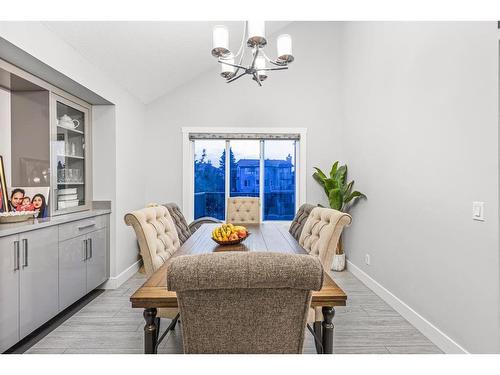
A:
{"x":68,"y":122}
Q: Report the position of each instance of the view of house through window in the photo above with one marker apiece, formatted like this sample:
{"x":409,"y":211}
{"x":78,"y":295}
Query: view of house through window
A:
{"x":245,"y":168}
{"x":275,"y":186}
{"x":209,"y":179}
{"x":279,"y":180}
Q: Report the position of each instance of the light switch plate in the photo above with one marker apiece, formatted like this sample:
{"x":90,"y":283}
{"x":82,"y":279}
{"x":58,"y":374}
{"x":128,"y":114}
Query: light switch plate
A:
{"x":478,"y":211}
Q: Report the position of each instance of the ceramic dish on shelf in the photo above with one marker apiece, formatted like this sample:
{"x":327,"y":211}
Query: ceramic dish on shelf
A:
{"x":15,"y":217}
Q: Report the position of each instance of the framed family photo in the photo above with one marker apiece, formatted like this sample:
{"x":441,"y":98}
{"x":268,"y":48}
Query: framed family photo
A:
{"x":30,"y":199}
{"x":4,"y":200}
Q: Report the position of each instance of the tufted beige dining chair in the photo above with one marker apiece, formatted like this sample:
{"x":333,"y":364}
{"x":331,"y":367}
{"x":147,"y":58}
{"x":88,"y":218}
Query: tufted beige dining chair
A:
{"x":243,"y":210}
{"x":158,"y":240}
{"x":244,"y":302}
{"x":319,"y":237}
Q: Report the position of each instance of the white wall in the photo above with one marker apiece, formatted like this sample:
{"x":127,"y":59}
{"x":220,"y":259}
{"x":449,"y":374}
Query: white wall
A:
{"x":303,"y":96}
{"x":104,"y":167}
{"x":5,"y":133}
{"x":420,"y":135}
{"x":129,"y":137}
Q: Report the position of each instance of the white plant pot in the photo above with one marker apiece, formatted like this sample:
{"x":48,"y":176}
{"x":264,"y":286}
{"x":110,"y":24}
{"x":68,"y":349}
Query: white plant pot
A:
{"x":338,"y":262}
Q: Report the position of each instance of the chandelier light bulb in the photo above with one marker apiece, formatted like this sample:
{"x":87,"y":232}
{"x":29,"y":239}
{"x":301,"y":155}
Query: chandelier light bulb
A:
{"x":256,"y":33}
{"x":227,"y":71}
{"x":220,"y":41}
{"x":260,"y":63}
{"x":284,"y":44}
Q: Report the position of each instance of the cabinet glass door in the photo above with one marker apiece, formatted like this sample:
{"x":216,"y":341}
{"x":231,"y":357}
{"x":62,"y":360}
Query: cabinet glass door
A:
{"x":70,"y":155}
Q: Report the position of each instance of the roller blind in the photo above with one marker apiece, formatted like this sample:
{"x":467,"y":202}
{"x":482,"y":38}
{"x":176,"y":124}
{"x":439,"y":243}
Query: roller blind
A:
{"x":289,"y":136}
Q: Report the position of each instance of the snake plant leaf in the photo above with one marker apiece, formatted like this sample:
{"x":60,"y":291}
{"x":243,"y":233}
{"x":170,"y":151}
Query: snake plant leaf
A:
{"x":341,"y":174}
{"x":348,"y":188}
{"x":320,"y":173}
{"x":330,"y":184}
{"x":354,"y":194}
{"x":318,"y":178}
{"x":321,"y":181}
{"x":335,"y":199}
{"x":333,"y":171}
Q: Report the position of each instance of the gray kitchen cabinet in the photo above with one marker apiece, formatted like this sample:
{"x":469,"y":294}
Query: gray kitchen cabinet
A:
{"x":9,"y":291}
{"x":96,"y":261}
{"x":72,"y":271}
{"x":46,"y":269}
{"x":82,"y":262}
{"x":38,"y":293}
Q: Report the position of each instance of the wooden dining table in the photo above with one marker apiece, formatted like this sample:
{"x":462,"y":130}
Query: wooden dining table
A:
{"x":272,"y":237}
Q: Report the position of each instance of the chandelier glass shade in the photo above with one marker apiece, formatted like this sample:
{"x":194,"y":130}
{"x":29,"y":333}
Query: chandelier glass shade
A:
{"x":254,"y":37}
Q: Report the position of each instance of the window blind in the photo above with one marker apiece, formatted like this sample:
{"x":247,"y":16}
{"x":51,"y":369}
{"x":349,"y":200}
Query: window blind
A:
{"x":277,"y":136}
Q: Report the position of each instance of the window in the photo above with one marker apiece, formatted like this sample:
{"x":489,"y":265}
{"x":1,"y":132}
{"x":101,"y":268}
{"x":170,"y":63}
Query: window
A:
{"x":246,"y":165}
{"x":245,"y":168}
{"x":209,"y":179}
{"x":279,"y":180}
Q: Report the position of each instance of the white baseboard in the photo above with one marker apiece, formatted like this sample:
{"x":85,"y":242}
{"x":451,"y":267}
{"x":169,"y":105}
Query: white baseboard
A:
{"x":115,"y":282}
{"x":439,"y":338}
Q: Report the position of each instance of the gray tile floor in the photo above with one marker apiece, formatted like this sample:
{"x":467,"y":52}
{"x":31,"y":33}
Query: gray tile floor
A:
{"x":109,"y":325}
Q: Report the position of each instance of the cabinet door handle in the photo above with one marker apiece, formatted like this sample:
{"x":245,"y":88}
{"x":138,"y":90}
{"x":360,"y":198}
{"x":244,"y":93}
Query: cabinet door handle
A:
{"x":25,"y":252}
{"x":86,"y":226}
{"x":16,"y":255}
{"x":91,"y":249}
{"x":84,"y":242}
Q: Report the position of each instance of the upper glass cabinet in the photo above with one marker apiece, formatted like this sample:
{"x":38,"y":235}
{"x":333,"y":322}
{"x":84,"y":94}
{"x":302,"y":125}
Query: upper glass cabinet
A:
{"x":70,"y":145}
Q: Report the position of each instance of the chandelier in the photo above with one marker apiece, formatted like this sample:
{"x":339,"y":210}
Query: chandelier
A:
{"x":254,"y":32}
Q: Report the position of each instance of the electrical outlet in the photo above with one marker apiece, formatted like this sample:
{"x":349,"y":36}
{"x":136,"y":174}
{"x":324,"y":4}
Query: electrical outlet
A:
{"x":367,"y":259}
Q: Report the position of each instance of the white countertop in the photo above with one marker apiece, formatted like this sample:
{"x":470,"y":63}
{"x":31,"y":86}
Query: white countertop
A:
{"x":33,"y":224}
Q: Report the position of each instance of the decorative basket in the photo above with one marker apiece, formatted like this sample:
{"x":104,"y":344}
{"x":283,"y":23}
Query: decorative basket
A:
{"x":16,"y":217}
{"x":233,"y":242}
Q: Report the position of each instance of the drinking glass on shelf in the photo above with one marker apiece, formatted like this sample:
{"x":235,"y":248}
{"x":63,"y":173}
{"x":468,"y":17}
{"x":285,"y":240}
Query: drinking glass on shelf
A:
{"x":78,"y":175}
{"x":61,"y":175}
{"x":70,"y":175}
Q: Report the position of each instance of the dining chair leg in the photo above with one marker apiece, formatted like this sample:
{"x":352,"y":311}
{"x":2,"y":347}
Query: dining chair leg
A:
{"x":318,"y":334}
{"x":171,"y":327}
{"x":327,"y":326}
{"x":317,"y":340}
{"x":150,"y":330}
{"x":174,"y":322}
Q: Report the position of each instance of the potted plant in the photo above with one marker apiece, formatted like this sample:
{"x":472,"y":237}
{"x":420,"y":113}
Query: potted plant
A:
{"x":341,"y":197}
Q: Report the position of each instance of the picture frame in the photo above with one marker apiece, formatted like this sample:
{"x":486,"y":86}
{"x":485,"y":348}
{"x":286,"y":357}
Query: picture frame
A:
{"x":29,"y":193}
{"x":4,"y":197}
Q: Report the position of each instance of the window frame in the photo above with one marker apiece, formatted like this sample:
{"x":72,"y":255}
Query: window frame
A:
{"x":188,"y":162}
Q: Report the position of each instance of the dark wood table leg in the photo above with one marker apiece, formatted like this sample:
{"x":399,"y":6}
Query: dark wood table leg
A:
{"x":150,"y":331}
{"x":328,"y":314}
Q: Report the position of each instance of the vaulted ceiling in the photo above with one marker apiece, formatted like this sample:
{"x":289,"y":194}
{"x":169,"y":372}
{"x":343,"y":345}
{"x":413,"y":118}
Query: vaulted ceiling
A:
{"x":149,"y":59}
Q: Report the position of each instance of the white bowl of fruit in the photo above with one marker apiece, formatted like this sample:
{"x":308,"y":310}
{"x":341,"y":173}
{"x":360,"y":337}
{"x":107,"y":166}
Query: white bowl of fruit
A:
{"x":229,"y":234}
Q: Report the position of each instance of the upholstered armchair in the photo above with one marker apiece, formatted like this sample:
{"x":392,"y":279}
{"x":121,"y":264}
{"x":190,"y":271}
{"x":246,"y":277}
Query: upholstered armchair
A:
{"x":183,"y":229}
{"x":319,"y":237}
{"x":244,"y":302}
{"x":243,"y":210}
{"x":300,"y":220}
{"x":158,"y":241}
